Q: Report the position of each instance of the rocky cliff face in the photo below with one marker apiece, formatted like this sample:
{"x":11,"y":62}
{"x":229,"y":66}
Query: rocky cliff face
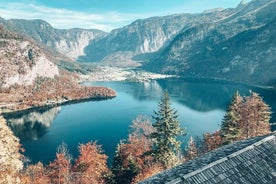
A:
{"x":70,"y":42}
{"x":142,"y":38}
{"x":22,"y":61}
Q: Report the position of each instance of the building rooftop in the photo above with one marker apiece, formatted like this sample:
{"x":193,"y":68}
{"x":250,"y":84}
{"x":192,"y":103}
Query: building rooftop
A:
{"x":247,"y":161}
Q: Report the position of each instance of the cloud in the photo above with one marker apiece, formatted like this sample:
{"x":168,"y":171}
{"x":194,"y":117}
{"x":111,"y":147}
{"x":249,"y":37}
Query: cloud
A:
{"x":64,"y":19}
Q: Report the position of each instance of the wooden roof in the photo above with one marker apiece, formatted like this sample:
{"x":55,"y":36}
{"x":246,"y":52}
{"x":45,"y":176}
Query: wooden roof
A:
{"x":248,"y":161}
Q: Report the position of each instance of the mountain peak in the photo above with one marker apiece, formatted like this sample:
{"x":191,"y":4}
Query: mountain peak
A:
{"x":242,"y":3}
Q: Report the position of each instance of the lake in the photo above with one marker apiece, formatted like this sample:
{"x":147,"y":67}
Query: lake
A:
{"x":200,"y":104}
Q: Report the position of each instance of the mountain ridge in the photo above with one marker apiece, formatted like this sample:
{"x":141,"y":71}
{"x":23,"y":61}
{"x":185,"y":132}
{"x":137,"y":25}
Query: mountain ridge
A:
{"x":200,"y":50}
{"x":189,"y":45}
{"x":69,"y":42}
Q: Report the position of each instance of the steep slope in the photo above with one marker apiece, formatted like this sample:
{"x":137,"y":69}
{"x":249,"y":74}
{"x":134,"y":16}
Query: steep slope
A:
{"x":29,"y":78}
{"x":22,"y":61}
{"x":240,"y":47}
{"x":142,"y":37}
{"x":70,"y":42}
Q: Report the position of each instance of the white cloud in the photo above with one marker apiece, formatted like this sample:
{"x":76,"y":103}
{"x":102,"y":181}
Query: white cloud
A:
{"x":64,"y":19}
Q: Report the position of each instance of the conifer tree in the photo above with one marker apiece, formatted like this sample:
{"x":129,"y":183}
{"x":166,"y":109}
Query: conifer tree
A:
{"x":124,"y":168}
{"x":230,"y":127}
{"x":192,"y":151}
{"x":166,"y":147}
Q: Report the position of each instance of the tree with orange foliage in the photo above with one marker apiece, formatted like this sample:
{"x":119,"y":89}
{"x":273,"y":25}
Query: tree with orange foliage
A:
{"x":212,"y":141}
{"x":246,"y":117}
{"x":91,"y":165}
{"x":36,"y":174}
{"x":256,"y":116}
{"x":131,"y":162}
{"x":60,"y":169}
{"x":10,"y":157}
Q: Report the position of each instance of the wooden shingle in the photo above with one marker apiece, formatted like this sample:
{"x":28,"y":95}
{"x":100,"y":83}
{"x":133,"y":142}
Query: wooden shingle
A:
{"x":248,"y":161}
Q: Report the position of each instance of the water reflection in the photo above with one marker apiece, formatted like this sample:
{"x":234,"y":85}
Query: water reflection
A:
{"x":32,"y":125}
{"x":141,"y":91}
{"x":200,"y":104}
{"x":203,"y":95}
{"x":199,"y":95}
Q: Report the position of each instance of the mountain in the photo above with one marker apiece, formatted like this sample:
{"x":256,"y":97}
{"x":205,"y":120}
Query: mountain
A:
{"x":22,"y":61}
{"x":232,"y":44}
{"x":240,"y":47}
{"x":235,"y":44}
{"x":142,"y":38}
{"x":69,"y":42}
{"x":30,"y":78}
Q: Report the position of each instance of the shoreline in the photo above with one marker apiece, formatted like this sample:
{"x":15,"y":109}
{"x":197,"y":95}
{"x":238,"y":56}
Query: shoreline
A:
{"x":57,"y":104}
{"x":112,"y":74}
{"x":228,"y":81}
{"x":106,"y":74}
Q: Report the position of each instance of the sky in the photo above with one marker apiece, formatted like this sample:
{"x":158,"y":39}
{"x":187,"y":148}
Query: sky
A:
{"x":103,"y":14}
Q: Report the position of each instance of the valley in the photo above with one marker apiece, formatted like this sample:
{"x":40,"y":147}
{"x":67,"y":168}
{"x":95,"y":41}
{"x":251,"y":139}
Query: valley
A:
{"x":82,"y":105}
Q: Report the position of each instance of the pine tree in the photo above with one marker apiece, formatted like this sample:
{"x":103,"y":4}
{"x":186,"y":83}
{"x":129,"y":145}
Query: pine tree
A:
{"x":124,"y":167}
{"x":230,"y":127}
{"x":166,"y":147}
{"x":192,"y":151}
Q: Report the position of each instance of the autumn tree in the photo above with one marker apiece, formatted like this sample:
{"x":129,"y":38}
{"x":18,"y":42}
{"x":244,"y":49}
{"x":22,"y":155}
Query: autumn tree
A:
{"x":10,"y":157}
{"x":60,"y":168}
{"x":131,"y":159}
{"x":125,"y":167}
{"x":231,"y":123}
{"x":36,"y":174}
{"x":166,"y":147}
{"x":246,"y":117}
{"x":91,"y":165}
{"x":212,"y":141}
{"x":256,"y":116}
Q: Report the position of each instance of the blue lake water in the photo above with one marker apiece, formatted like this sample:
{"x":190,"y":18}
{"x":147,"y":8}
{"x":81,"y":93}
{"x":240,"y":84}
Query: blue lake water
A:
{"x":200,"y":105}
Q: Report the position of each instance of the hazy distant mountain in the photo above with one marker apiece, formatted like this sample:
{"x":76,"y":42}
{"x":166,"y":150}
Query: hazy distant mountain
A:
{"x":70,"y":42}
